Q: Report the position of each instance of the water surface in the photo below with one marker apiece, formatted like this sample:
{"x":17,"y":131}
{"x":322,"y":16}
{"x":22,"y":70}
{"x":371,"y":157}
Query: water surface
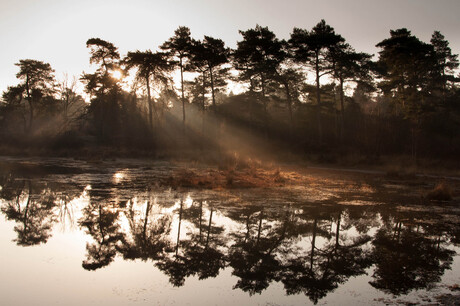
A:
{"x":112,"y":233}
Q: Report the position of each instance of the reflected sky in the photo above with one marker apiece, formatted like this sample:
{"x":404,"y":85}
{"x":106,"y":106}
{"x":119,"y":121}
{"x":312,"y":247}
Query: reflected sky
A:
{"x":128,"y":242}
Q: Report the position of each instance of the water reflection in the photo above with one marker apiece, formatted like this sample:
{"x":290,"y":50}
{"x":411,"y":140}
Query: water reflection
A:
{"x":408,"y":258}
{"x":309,"y":248}
{"x":31,"y":208}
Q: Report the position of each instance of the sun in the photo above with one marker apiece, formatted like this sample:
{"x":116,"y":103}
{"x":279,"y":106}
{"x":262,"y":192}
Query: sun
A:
{"x":116,"y":74}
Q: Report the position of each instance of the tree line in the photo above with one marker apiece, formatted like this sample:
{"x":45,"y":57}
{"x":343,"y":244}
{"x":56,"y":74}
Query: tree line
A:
{"x":311,"y":93}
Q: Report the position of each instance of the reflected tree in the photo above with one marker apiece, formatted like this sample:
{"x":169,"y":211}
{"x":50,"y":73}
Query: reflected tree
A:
{"x":101,"y":223}
{"x":407,"y":259}
{"x":328,"y":264}
{"x":174,"y":264}
{"x":200,"y":254}
{"x":32,"y":210}
{"x":204,"y":255}
{"x":253,"y":256}
{"x":148,"y":233}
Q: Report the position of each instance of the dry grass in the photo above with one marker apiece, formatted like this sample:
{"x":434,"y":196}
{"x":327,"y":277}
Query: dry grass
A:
{"x":246,"y":175}
{"x":401,"y":172}
{"x":441,"y":192}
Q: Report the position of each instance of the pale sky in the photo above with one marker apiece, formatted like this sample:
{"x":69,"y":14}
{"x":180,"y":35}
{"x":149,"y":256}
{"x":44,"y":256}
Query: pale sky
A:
{"x":55,"y":31}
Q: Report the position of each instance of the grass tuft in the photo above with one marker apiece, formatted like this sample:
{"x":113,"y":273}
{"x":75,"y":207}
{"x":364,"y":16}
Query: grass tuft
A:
{"x":441,"y":192}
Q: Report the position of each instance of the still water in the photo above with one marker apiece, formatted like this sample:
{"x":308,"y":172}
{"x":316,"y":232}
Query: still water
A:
{"x":109,"y":233}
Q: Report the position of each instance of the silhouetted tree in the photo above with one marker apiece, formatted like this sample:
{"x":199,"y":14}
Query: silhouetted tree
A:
{"x":349,"y":65}
{"x":292,"y":80}
{"x":445,"y":64}
{"x":258,"y":56}
{"x":179,"y":46}
{"x":38,"y":83}
{"x":211,"y":54}
{"x":406,"y":64}
{"x":150,"y":67}
{"x":313,"y":48}
{"x":104,"y":88}
{"x":104,"y":54}
{"x":73,"y":105}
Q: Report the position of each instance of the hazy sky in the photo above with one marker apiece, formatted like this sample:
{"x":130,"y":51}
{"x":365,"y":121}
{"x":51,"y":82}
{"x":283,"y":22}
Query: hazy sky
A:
{"x":56,"y":31}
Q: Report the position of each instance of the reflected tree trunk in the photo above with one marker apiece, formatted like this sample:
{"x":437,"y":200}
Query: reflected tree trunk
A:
{"x":26,"y":210}
{"x":147,"y":210}
{"x":337,"y":234}
{"x":209,"y":228}
{"x":260,"y":226}
{"x":201,"y":218}
{"x":313,"y":243}
{"x":178,"y":228}
{"x":248,"y":229}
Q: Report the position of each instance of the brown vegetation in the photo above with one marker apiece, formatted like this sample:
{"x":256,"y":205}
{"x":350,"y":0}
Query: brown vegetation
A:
{"x":441,"y":192}
{"x":232,"y":173}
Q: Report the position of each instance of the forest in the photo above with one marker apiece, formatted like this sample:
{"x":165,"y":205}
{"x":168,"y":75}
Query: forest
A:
{"x":310,"y":95}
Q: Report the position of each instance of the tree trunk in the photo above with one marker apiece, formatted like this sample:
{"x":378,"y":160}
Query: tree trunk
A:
{"x":414,"y":142}
{"x":31,"y":109}
{"x":265,"y":106}
{"x":289,"y":104}
{"x":318,"y":99}
{"x":212,"y":89}
{"x":203,"y":106}
{"x":149,"y":101}
{"x":182,"y":90}
{"x":342,"y":110}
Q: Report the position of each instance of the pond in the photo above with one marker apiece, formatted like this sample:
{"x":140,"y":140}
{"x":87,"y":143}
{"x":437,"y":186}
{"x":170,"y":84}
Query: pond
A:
{"x":121,"y":232}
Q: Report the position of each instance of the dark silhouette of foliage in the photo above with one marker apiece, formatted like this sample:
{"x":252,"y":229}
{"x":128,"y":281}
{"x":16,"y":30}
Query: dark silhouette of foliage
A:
{"x":407,"y":260}
{"x":404,"y":102}
{"x":151,"y":67}
{"x":445,"y":63}
{"x":179,"y":46}
{"x":313,"y":48}
{"x":101,"y":224}
{"x":209,"y":56}
{"x":38,"y":85}
{"x":258,"y":57}
{"x":31,"y":209}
